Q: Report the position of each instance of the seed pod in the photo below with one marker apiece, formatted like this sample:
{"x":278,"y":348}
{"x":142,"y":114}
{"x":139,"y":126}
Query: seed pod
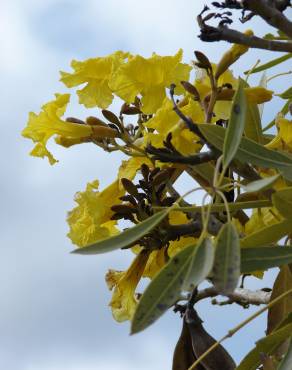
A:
{"x":129,"y":187}
{"x":183,"y":356}
{"x":219,"y":358}
{"x":203,"y":60}
{"x":94,"y":121}
{"x":191,"y":89}
{"x":104,"y":132}
{"x":110,"y":116}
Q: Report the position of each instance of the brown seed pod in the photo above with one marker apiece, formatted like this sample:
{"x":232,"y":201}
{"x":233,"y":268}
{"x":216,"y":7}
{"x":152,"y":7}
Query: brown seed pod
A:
{"x":183,"y":356}
{"x":219,"y":358}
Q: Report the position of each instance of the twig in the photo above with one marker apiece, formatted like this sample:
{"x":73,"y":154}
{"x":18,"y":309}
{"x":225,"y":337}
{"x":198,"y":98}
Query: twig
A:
{"x":211,"y":34}
{"x":270,"y":14}
{"x":238,"y":295}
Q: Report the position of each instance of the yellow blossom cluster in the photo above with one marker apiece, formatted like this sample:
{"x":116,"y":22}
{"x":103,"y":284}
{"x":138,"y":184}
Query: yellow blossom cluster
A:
{"x":142,"y":83}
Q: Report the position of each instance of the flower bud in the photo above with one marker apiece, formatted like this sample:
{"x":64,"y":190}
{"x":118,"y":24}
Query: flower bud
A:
{"x":231,"y":56}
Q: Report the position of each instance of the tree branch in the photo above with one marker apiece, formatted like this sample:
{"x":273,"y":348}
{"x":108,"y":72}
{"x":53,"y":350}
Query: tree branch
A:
{"x":270,"y":14}
{"x":240,"y":295}
{"x":222,"y":33}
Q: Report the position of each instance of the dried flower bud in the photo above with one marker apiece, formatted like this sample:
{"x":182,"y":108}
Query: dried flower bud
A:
{"x":160,"y":178}
{"x":104,"y":132}
{"x":129,"y":187}
{"x":126,"y":109}
{"x":123,"y":208}
{"x":75,"y":120}
{"x":191,"y":89}
{"x":110,"y":116}
{"x":203,"y":61}
{"x":94,"y":121}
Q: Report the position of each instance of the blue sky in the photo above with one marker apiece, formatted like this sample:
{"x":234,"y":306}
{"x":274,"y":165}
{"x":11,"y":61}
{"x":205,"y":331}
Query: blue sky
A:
{"x":54,"y":313}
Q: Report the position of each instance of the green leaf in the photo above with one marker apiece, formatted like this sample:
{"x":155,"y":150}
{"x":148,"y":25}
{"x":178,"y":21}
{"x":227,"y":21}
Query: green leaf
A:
{"x":282,"y":200}
{"x":286,"y":321}
{"x":235,"y":126}
{"x":267,"y":235}
{"x":270,"y":64}
{"x":287,"y":360}
{"x":266,"y":345}
{"x":233,"y":207}
{"x":226,"y":271}
{"x":284,"y":110}
{"x":286,"y":94}
{"x":249,"y":151}
{"x":187,"y":268}
{"x":263,"y":258}
{"x":279,"y":311}
{"x":125,"y":238}
{"x":253,"y":129}
{"x":260,"y":185}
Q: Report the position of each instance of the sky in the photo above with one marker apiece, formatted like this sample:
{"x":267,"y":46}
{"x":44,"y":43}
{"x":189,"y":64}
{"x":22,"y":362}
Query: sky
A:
{"x":54,"y":313}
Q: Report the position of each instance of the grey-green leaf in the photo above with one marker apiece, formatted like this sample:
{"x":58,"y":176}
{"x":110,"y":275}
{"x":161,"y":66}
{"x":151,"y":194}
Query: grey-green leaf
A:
{"x":263,"y":258}
{"x":259,"y":185}
{"x":286,"y":94}
{"x":266,"y":345}
{"x":235,"y":126}
{"x":284,"y":110}
{"x":187,"y":268}
{"x":125,"y":238}
{"x":226,"y":271}
{"x":250,"y":151}
{"x":271,"y":63}
{"x":267,"y":235}
{"x":286,"y":363}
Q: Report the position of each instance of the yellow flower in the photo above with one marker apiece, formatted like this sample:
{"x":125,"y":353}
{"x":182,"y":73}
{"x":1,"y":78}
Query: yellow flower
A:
{"x":178,"y":245}
{"x":90,"y":220}
{"x":231,"y":56}
{"x":124,"y":301}
{"x":48,"y":123}
{"x":96,"y":73}
{"x":258,"y":94}
{"x":149,"y":77}
{"x":202,"y":84}
{"x":155,"y":263}
{"x":283,"y":140}
{"x":175,"y":246}
{"x":166,"y":121}
{"x":262,"y":218}
{"x":268,"y":172}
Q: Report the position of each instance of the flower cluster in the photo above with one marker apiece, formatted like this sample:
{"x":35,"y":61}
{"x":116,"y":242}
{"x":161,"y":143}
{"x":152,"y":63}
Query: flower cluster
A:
{"x":147,"y":116}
